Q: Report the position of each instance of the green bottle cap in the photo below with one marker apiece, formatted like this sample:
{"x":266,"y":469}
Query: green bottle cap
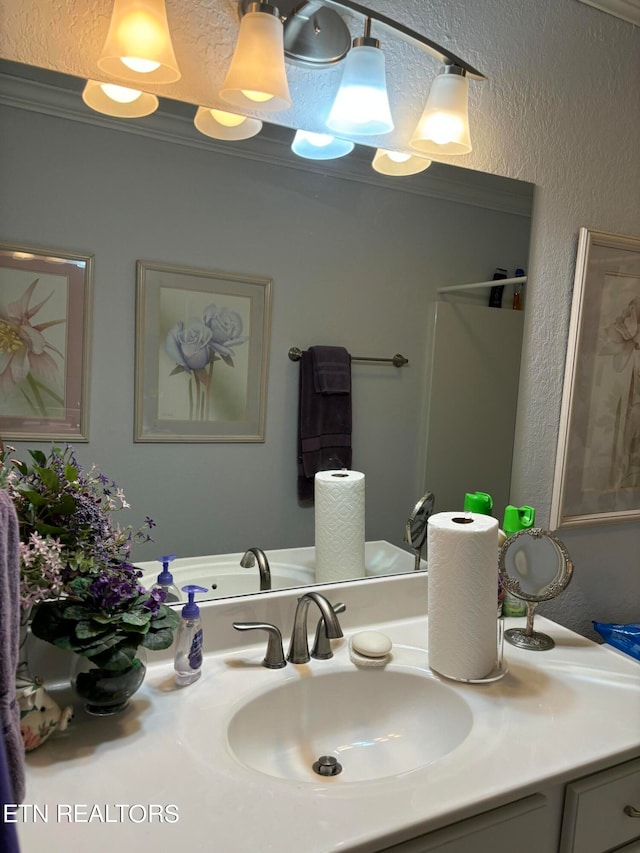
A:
{"x":518,"y":518}
{"x":479,"y":502}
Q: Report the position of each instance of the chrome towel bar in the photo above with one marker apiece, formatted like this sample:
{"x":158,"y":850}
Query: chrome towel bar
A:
{"x":295,"y":353}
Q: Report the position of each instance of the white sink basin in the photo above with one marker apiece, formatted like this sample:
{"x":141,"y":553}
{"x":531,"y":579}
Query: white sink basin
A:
{"x":222,"y":579}
{"x":376,"y":722}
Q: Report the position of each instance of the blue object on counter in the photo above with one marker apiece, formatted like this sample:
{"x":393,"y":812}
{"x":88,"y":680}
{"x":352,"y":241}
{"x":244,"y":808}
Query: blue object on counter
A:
{"x":626,"y":638}
{"x":188,"y":657}
{"x":165,"y":581}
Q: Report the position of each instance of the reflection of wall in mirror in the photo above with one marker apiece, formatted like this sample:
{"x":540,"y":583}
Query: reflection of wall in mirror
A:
{"x":353,"y":264}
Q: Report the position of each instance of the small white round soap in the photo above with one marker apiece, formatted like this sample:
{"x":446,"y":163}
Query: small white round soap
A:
{"x":371,"y":644}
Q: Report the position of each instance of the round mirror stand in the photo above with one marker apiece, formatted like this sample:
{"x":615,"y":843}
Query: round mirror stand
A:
{"x":527,"y":638}
{"x":534,"y":566}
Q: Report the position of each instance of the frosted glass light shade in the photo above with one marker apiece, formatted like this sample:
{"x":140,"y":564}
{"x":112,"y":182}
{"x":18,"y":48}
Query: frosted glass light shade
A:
{"x":222,"y":125}
{"x":444,"y":125}
{"x":119,"y":101}
{"x":319,"y":146}
{"x":138,"y":45}
{"x":362,"y":106}
{"x":256,"y":78}
{"x":398,"y":163}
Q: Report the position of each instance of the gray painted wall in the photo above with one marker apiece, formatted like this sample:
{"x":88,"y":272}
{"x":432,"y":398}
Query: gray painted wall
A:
{"x":352,"y":264}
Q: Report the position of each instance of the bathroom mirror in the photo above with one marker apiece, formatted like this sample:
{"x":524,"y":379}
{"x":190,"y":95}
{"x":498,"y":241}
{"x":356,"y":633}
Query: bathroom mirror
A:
{"x":356,"y":260}
{"x":534,"y":565}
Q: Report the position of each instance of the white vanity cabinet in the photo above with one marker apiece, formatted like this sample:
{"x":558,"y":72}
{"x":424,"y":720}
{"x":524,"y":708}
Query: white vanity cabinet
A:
{"x":586,"y":815}
{"x":529,"y":825}
{"x":595,"y":819}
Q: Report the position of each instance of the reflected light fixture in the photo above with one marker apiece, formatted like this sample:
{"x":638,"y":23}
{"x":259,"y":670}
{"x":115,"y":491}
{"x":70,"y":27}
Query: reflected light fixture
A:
{"x":361,"y":106}
{"x":320,"y":146}
{"x":444,"y":125}
{"x":257,"y":78}
{"x":138,"y":44}
{"x":219,"y":124}
{"x":118,"y":101}
{"x":398,"y":163}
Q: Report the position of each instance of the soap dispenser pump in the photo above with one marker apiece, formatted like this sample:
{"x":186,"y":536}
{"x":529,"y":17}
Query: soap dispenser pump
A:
{"x":188,"y":657}
{"x":165,"y":581}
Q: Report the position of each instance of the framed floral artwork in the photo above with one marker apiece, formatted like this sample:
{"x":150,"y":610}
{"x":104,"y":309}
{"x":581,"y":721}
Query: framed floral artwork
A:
{"x":45,"y":312}
{"x":597,"y":477}
{"x":202,"y":348}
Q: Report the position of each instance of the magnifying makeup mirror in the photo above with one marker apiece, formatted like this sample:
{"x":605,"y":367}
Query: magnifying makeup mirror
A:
{"x":535,"y":566}
{"x":415,"y":530}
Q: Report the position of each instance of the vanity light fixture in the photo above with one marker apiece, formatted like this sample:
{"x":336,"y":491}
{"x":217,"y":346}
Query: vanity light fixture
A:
{"x":257,"y":78}
{"x":320,"y":146}
{"x":138,"y":45}
{"x":444,"y":125}
{"x":397,"y":163}
{"x":361,"y":106}
{"x":118,"y":101}
{"x":220,"y":124}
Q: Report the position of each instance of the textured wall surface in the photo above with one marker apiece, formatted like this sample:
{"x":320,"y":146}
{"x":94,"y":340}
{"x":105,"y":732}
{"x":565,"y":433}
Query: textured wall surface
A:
{"x":561,"y":108}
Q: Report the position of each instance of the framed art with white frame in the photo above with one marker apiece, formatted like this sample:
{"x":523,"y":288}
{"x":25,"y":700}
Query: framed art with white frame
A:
{"x":202,"y":349}
{"x":45,"y":316}
{"x":597,"y":475}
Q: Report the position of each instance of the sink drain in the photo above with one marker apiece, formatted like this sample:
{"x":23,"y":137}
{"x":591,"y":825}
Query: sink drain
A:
{"x":327,"y":765}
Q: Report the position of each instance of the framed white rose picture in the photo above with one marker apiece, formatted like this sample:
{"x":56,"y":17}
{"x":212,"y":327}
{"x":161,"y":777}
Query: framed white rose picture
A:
{"x":45,"y":317}
{"x":597,"y":477}
{"x":202,"y":347}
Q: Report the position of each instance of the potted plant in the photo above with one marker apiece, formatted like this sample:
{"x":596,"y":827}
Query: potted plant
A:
{"x":79,"y":590}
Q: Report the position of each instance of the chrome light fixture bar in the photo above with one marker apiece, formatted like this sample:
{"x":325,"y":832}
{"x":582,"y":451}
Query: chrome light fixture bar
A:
{"x":308,"y":23}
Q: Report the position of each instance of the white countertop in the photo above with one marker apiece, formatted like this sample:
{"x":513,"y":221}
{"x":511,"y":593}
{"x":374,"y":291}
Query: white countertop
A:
{"x":556,"y":715}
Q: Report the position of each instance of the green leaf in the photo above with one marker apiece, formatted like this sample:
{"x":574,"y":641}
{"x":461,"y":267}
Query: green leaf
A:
{"x":177,"y":369}
{"x":34,"y":498}
{"x":66,"y":505}
{"x":158,"y":639}
{"x":119,"y":658}
{"x":228,"y":360}
{"x":88,"y":630}
{"x":77,"y":612}
{"x":137,"y":618}
{"x":38,"y":457}
{"x":70,"y":473}
{"x":165,"y":620}
{"x":49,"y":478}
{"x":49,"y":623}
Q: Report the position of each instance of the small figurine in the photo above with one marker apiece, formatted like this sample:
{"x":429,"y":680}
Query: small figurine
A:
{"x":40,"y":715}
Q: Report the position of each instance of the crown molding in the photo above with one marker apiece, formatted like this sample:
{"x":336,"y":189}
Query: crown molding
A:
{"x":626,"y":10}
{"x":171,"y":124}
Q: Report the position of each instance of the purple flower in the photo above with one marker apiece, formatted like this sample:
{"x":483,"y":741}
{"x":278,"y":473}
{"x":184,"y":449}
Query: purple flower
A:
{"x":116,"y":587}
{"x":189,"y":347}
{"x":156,"y":598}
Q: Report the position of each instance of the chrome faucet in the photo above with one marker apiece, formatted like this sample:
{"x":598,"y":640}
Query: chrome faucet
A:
{"x":299,"y":644}
{"x":253,"y":555}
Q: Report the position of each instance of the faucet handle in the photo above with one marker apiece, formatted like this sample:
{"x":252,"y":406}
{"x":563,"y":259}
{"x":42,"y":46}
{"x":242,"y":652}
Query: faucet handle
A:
{"x":322,"y":645}
{"x":274,"y":658}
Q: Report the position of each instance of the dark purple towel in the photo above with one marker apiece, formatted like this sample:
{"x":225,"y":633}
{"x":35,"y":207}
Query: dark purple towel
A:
{"x":8,"y":834}
{"x":331,"y":370}
{"x":324,"y":427}
{"x":9,"y":639}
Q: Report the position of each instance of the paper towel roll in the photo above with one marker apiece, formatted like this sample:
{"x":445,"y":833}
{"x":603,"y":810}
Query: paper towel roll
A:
{"x":463,"y":588}
{"x":339,"y":520}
